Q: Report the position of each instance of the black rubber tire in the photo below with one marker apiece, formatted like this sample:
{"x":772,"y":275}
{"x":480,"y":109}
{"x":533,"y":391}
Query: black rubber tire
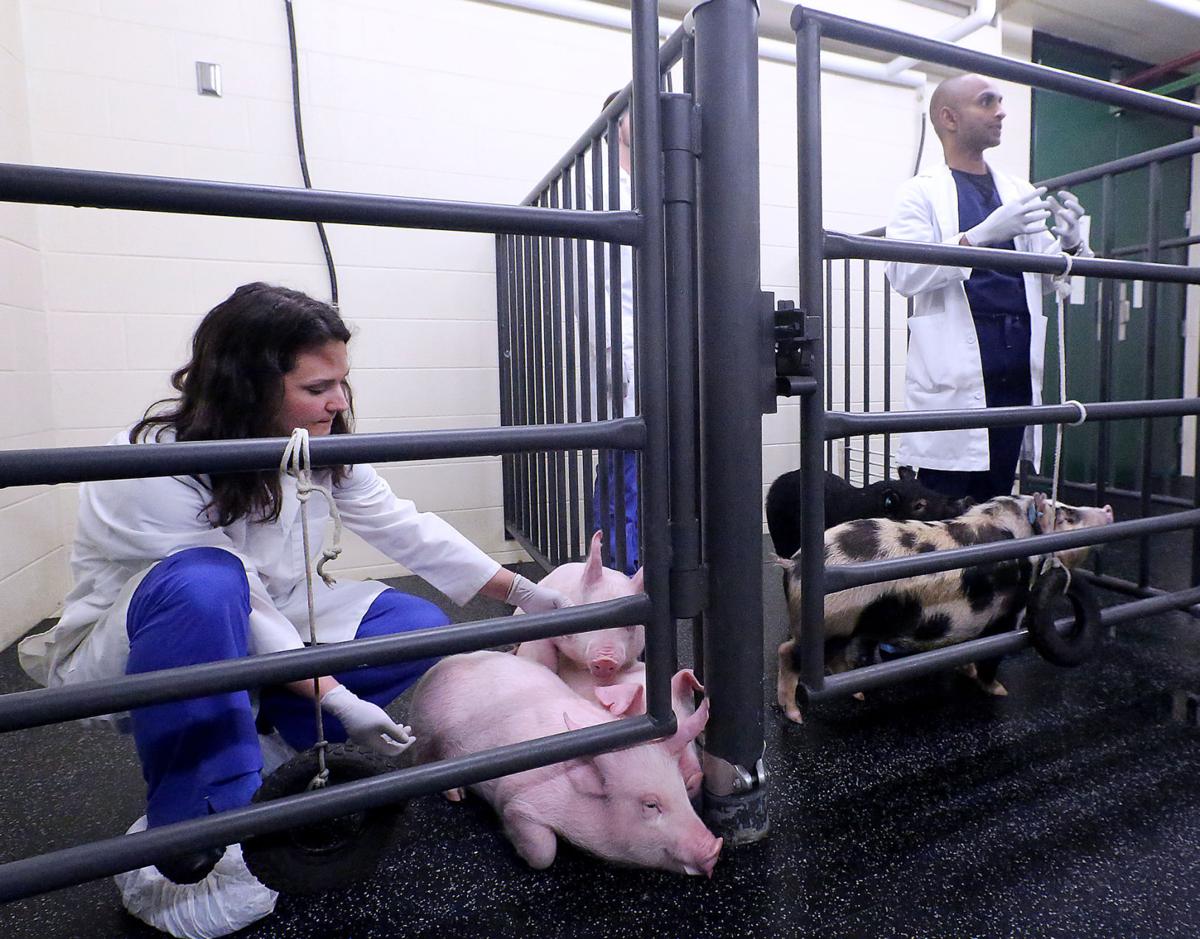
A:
{"x":1077,"y":645}
{"x":331,"y":854}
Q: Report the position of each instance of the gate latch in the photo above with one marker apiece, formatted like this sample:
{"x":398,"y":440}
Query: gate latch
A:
{"x":796,"y":331}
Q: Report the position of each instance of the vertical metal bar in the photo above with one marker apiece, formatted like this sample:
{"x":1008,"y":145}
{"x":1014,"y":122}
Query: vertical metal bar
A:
{"x":828,"y":346}
{"x":571,"y":370}
{"x":1153,"y":238}
{"x":557,"y":415}
{"x":540,"y":336}
{"x":652,"y":355}
{"x":887,"y":374}
{"x":587,"y":382}
{"x":529,"y":488}
{"x":518,"y":356}
{"x":616,"y":313}
{"x":689,"y":88}
{"x":730,"y":298}
{"x":504,"y":358}
{"x":846,"y":362}
{"x":600,"y":390}
{"x":866,"y":440}
{"x":811,"y":643}
{"x":682,"y":354}
{"x":1107,"y":303}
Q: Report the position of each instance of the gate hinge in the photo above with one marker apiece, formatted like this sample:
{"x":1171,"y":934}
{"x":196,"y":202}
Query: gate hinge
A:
{"x":723,"y":778}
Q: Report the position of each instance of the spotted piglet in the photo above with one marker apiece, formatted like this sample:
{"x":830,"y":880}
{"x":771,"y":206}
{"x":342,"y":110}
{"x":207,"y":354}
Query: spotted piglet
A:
{"x":628,"y":806}
{"x":600,"y":657}
{"x":915,"y":614}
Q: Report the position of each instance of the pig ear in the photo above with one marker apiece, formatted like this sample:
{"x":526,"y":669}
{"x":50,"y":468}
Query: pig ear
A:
{"x":906,"y":472}
{"x":593,"y":570}
{"x":638,"y":581}
{"x":585,"y":777}
{"x":684,"y":682}
{"x":689,"y":729}
{"x":627,"y":698}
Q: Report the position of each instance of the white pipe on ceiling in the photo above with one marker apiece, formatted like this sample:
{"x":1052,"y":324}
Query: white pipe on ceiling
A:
{"x":895,"y":72}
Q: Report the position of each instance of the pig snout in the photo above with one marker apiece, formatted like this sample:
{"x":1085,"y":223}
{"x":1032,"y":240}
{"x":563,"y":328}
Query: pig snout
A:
{"x":704,"y":858}
{"x":605,"y":660}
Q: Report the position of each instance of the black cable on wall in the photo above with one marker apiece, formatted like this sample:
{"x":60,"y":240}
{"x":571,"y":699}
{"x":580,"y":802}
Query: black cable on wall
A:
{"x":287,"y":4}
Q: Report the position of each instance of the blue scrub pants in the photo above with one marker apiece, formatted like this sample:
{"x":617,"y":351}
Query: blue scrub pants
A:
{"x":604,"y":511}
{"x":1004,"y":351}
{"x":202,"y":755}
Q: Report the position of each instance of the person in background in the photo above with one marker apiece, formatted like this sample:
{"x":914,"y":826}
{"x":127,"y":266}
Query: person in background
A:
{"x":179,"y":570}
{"x":976,"y":337}
{"x":622,"y":467}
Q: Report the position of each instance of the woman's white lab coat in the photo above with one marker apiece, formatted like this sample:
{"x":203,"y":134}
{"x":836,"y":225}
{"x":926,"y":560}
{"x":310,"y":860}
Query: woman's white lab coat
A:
{"x":126,"y":526}
{"x":943,"y":370}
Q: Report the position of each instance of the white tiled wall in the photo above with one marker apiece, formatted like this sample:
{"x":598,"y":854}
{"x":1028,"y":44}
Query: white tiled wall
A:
{"x":32,"y":563}
{"x":454,"y":99}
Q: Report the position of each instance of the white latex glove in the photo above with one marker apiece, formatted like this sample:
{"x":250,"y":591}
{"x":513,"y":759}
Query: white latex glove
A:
{"x":1024,"y":215}
{"x":367,"y":724}
{"x":1067,"y":214}
{"x":533,"y":598}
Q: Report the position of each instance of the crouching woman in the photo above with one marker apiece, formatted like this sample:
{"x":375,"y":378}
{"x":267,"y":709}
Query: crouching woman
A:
{"x":176,"y":571}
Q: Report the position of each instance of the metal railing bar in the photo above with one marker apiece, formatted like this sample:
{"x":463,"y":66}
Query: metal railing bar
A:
{"x":838,"y":424}
{"x":47,"y":185}
{"x":82,"y":863}
{"x":844,"y":576}
{"x":41,"y":706}
{"x":946,"y":53}
{"x":1178,"y":502}
{"x":1129,"y":588}
{"x":81,"y":464}
{"x":839,"y":245}
{"x":1166,"y":244}
{"x":920,"y":664}
{"x":1123,"y":165}
{"x":668,"y":54}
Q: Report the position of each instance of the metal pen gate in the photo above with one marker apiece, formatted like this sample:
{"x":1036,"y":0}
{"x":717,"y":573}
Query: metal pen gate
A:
{"x":646,"y":434}
{"x":819,"y":427}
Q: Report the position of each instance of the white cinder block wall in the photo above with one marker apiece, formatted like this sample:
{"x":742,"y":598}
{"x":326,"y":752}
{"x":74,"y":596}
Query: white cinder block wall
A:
{"x":32,"y":560}
{"x":454,"y":99}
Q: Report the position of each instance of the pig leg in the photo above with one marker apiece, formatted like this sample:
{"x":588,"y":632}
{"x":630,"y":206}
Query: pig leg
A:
{"x":789,"y":678}
{"x":534,"y":841}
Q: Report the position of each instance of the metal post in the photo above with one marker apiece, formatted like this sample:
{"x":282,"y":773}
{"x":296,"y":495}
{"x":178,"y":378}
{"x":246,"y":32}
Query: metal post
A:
{"x":572,"y":372}
{"x":1153,"y":236}
{"x":811,"y":642}
{"x":616,"y":309}
{"x":661,"y":658}
{"x":729,"y":301}
{"x":504,"y":357}
{"x":1107,"y":303}
{"x":586,"y":381}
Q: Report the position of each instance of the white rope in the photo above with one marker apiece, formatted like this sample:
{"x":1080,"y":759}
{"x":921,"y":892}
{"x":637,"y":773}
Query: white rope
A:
{"x":1062,"y":290}
{"x":297,"y":463}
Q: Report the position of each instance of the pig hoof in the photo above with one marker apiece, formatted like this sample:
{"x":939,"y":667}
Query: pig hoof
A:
{"x":996,"y":690}
{"x":859,"y":696}
{"x":793,"y":714}
{"x":455,"y":795}
{"x":969,"y":670}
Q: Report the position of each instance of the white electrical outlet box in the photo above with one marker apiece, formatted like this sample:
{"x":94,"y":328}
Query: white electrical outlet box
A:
{"x":208,"y":79}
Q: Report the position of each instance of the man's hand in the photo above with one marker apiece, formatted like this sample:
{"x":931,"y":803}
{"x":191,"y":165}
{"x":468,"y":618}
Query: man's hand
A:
{"x":1024,"y":215}
{"x":1067,"y":213}
{"x":533,"y":598}
{"x":367,"y":724}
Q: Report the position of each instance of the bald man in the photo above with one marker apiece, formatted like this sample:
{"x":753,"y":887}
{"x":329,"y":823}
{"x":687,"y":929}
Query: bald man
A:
{"x":976,"y":337}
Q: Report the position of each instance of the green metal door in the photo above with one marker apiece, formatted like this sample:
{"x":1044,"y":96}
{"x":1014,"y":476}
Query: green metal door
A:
{"x":1072,"y":134}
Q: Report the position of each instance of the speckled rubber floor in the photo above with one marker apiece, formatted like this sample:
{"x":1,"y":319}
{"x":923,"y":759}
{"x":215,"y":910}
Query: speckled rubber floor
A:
{"x":1068,"y":809}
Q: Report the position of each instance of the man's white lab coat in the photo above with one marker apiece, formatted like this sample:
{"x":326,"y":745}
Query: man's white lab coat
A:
{"x":944,"y":370}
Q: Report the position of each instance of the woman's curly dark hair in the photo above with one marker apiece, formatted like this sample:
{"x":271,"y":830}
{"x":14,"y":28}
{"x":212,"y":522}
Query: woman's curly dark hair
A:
{"x":232,"y":387}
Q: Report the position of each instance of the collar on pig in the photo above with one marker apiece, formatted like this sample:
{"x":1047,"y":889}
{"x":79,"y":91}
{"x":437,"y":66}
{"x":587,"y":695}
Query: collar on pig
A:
{"x":1033,"y":515}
